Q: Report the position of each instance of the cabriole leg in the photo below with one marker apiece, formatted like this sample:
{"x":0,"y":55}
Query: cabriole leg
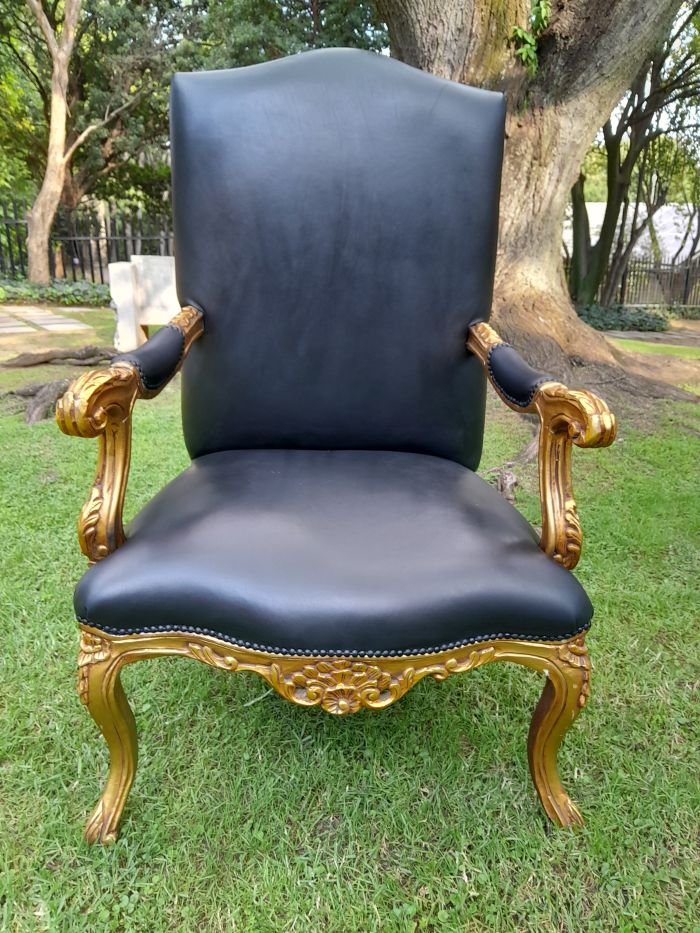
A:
{"x":101,"y":691}
{"x":564,"y":696}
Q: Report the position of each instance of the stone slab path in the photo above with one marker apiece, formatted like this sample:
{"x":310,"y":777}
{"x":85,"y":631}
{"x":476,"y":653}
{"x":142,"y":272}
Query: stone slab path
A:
{"x":11,"y":325}
{"x":23,"y":319}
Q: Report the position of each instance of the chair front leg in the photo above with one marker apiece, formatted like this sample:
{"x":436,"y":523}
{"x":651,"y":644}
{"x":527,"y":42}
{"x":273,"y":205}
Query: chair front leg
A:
{"x":100,"y":689}
{"x":564,"y":696}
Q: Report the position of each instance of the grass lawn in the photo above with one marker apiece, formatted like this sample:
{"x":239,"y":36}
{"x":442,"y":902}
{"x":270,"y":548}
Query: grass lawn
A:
{"x":250,"y":814}
{"x":663,"y":349}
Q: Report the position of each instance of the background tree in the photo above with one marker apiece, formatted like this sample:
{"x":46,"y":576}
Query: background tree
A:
{"x":113,"y":78}
{"x":245,"y":32}
{"x":562,"y":82}
{"x":17,"y":101}
{"x":87,"y":65}
{"x":662,"y":101}
{"x":59,"y":43}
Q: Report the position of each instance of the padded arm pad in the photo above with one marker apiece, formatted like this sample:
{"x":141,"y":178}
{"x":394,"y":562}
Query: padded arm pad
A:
{"x":157,"y":360}
{"x":515,"y":379}
{"x":160,"y":357}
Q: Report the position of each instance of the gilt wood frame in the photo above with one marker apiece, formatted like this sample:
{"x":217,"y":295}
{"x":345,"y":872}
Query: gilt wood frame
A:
{"x":99,"y":404}
{"x":567,"y":416}
{"x":339,"y":685}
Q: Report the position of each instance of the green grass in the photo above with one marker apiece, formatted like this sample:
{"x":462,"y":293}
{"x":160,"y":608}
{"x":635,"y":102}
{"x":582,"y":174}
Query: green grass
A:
{"x":271,"y":818}
{"x":663,"y":349}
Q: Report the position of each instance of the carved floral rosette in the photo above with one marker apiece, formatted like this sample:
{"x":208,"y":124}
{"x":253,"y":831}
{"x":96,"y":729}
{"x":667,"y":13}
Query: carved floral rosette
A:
{"x":346,"y":685}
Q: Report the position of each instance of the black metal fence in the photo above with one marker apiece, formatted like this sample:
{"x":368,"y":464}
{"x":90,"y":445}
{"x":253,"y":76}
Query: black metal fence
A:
{"x":651,"y":282}
{"x":83,"y":242}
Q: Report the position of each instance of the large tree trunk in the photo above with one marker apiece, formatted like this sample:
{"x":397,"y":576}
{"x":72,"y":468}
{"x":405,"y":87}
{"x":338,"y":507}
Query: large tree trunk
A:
{"x":40,"y":217}
{"x":588,"y":56}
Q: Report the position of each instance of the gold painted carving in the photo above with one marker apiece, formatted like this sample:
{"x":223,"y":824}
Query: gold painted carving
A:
{"x":567,"y":416}
{"x":93,"y":649}
{"x":345,"y":685}
{"x":99,"y":404}
{"x":340,"y":686}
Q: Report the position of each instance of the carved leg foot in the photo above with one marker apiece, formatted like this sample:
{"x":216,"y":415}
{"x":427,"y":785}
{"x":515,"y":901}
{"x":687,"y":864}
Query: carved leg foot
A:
{"x":564,"y":696}
{"x":101,"y":691}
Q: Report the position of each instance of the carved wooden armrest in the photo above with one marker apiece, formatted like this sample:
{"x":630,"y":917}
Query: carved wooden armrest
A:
{"x":567,"y":416}
{"x":99,"y":404}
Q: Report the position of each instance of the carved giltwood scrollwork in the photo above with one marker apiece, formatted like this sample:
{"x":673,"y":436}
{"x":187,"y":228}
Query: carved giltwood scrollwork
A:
{"x":567,"y":416}
{"x":99,"y":404}
{"x":338,"y":685}
{"x":93,"y":650}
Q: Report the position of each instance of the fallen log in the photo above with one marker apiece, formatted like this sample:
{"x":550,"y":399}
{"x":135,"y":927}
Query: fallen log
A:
{"x":38,"y":400}
{"x":72,"y":356}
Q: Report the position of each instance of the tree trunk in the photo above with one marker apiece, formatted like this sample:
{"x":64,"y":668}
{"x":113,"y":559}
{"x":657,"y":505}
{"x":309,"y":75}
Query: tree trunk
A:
{"x":532,"y":308}
{"x":588,"y":56}
{"x":40,"y":217}
{"x":581,"y":239}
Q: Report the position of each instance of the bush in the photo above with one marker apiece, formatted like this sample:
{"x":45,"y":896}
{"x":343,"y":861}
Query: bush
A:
{"x":685,"y":312}
{"x":621,"y":317}
{"x":59,"y":292}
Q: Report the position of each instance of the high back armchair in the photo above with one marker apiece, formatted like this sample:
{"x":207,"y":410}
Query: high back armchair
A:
{"x":336,"y":224}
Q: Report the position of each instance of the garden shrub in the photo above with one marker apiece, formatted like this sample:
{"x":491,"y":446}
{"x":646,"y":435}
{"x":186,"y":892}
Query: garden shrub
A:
{"x":623,"y":317}
{"x":59,"y":292}
{"x":685,"y":312}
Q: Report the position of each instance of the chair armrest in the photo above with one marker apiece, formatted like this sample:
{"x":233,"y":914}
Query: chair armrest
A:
{"x":567,"y":416}
{"x":99,"y":404}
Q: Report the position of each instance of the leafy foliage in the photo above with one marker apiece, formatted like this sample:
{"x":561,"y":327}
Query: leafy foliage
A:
{"x":20,"y":112}
{"x":60,"y":292}
{"x":622,"y":317}
{"x":685,"y":312}
{"x":126,"y":52}
{"x":245,"y":32}
{"x":525,"y":40}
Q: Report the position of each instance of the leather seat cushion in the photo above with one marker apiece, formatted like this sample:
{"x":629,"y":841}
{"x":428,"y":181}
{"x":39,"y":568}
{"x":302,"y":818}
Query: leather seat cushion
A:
{"x":332,"y":551}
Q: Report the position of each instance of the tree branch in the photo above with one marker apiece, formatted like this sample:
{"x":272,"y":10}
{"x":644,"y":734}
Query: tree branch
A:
{"x":583,"y":51}
{"x":89,"y":130}
{"x":71,"y":15}
{"x":32,"y":75}
{"x":45,"y":26}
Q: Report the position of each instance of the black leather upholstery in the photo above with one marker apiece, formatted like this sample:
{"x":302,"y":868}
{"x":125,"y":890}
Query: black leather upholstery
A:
{"x":158,"y":358}
{"x":515,"y":378}
{"x":336,"y":220}
{"x":324,"y":551}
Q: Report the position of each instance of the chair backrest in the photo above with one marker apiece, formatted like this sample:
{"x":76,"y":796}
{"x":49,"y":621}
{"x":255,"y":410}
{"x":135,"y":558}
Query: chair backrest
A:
{"x":336,"y":219}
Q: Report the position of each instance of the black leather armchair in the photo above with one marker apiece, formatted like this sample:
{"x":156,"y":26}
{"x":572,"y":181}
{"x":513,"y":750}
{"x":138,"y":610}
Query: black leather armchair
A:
{"x":336,"y":224}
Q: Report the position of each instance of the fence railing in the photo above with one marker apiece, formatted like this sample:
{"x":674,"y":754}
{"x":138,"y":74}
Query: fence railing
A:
{"x":83,"y":242}
{"x":648,"y":282}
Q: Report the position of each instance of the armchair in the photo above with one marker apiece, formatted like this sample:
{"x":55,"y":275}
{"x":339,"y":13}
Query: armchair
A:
{"x":336,"y":222}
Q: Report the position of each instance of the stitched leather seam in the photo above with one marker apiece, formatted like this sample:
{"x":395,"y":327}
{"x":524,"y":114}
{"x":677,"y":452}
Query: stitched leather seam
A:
{"x":127,"y":358}
{"x":511,"y":398}
{"x":327,"y":652}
